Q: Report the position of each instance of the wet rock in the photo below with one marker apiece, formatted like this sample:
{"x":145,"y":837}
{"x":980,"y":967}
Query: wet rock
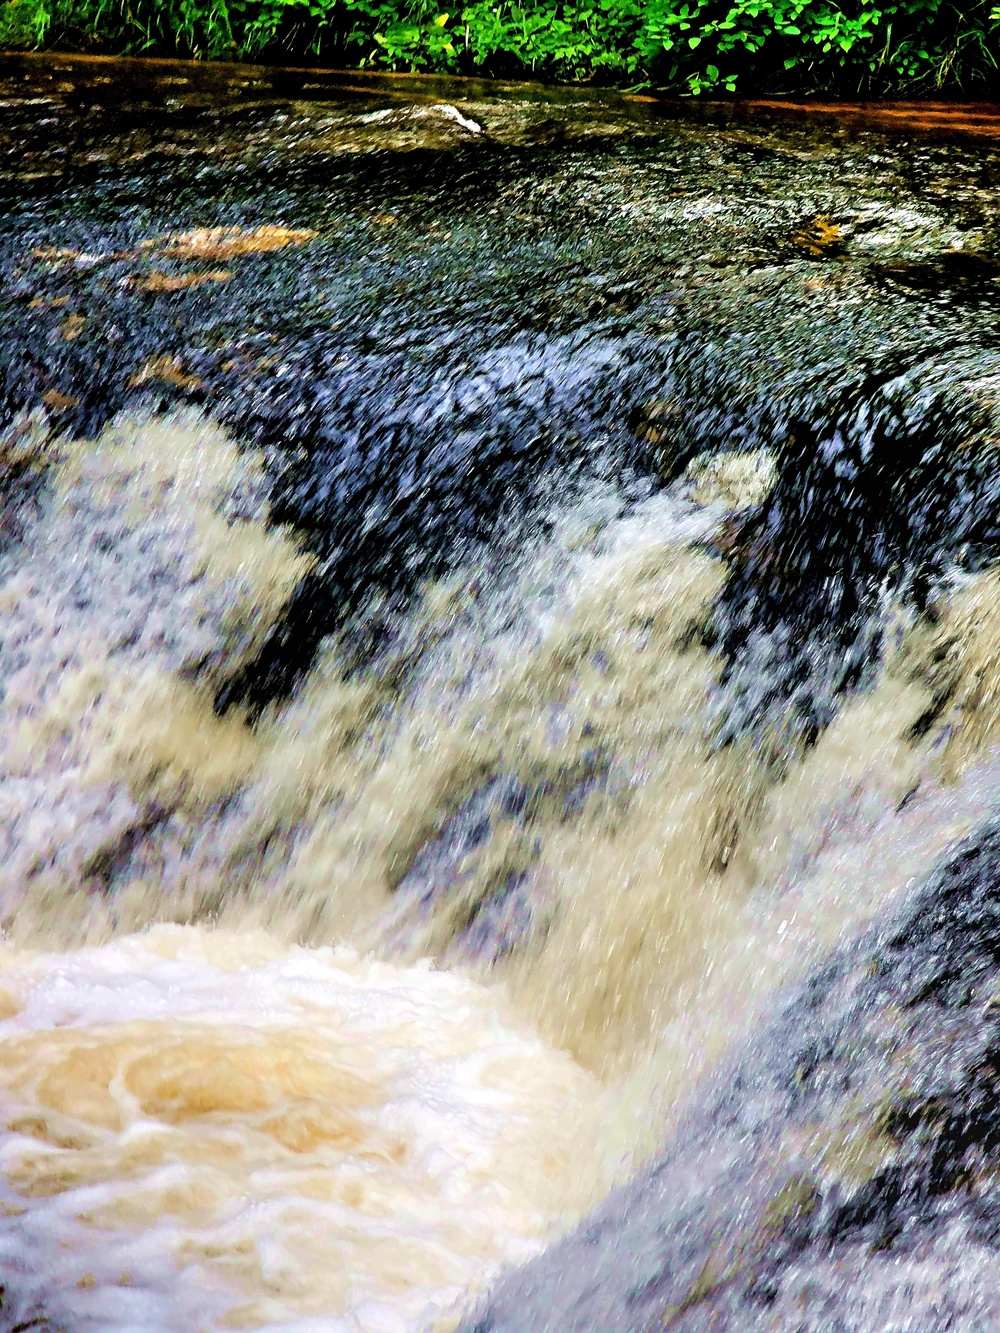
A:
{"x":431,"y":343}
{"x":841,"y":1174}
{"x":877,"y":497}
{"x":480,"y":867}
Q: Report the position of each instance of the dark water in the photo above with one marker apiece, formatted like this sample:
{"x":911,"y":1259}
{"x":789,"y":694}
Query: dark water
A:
{"x":449,"y":316}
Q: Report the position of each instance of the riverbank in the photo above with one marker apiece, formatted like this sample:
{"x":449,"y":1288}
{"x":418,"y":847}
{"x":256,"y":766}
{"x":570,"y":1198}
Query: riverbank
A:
{"x":163,"y":105}
{"x":893,"y":48}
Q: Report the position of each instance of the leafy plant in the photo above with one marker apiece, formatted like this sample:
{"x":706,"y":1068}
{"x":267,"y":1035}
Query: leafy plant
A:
{"x":697,"y":46}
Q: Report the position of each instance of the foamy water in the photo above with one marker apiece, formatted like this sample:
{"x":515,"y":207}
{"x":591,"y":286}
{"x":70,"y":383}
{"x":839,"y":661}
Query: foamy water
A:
{"x":210,"y":1132}
{"x":271,"y":1113}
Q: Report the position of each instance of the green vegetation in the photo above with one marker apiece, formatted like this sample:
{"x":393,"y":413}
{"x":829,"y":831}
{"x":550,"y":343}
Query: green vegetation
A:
{"x":760,"y":46}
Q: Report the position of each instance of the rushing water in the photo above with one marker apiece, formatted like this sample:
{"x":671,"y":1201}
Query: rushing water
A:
{"x":495,"y":586}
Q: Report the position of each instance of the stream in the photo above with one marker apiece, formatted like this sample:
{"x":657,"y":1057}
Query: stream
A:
{"x":499,"y":707}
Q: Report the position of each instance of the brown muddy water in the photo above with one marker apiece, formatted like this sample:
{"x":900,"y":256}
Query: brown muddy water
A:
{"x":497,"y":591}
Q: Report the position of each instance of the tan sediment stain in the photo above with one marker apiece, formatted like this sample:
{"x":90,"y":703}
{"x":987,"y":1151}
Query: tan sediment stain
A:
{"x":56,"y":255}
{"x":59,"y":402}
{"x":72,"y":326}
{"x":159,"y":735}
{"x":206,"y":244}
{"x":818,"y":237}
{"x":156,"y":281}
{"x":215,"y":243}
{"x":168,"y":369}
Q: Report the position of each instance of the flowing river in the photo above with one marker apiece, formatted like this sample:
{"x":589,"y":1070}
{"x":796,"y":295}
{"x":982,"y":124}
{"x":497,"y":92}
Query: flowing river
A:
{"x":499,"y":707}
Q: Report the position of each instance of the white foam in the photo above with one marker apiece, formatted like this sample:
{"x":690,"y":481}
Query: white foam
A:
{"x":206,"y":1131}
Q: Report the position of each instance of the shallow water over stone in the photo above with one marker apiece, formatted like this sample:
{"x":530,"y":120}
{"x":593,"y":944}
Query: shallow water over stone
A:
{"x":548,"y":534}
